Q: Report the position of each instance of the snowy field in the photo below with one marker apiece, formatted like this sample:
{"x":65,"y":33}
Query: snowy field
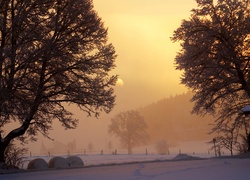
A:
{"x":96,"y":160}
{"x":162,"y":167}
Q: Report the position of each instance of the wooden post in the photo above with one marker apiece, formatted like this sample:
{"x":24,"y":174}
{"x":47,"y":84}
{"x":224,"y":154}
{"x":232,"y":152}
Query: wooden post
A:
{"x":215,"y":151}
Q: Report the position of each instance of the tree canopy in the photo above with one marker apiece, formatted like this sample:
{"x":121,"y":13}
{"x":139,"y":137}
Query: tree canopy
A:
{"x":52,"y":54}
{"x":214,"y":58}
{"x":130,"y":127}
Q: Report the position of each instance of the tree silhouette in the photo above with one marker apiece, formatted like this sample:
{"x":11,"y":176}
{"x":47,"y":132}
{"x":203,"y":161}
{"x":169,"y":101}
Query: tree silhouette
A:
{"x":215,"y":56}
{"x":90,"y":147}
{"x":130,"y":128}
{"x":162,"y":147}
{"x":52,"y":54}
{"x":110,"y":145}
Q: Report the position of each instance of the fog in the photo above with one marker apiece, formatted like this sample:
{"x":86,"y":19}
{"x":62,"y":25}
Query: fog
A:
{"x":140,"y":31}
{"x":168,"y":120}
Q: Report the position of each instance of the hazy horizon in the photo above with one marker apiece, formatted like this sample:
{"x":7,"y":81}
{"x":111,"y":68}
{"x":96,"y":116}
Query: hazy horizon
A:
{"x":140,"y":32}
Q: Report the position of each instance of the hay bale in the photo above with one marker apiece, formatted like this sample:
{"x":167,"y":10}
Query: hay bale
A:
{"x":58,"y":162}
{"x":37,"y":164}
{"x":74,"y":162}
{"x":185,"y":157}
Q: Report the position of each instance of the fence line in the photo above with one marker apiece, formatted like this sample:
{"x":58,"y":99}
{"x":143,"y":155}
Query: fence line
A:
{"x":113,"y":152}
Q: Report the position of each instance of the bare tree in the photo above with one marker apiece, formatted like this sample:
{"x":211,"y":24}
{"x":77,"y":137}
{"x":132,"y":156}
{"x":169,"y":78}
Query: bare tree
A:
{"x":15,"y":156}
{"x":90,"y":147}
{"x":162,"y":147}
{"x":130,"y":127}
{"x":72,"y":146}
{"x":52,"y":54}
{"x":242,"y":146}
{"x":110,"y":145}
{"x":215,"y":59}
{"x":227,"y":138}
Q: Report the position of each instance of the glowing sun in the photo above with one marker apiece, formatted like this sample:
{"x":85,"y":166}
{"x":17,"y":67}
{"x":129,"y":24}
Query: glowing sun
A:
{"x":119,"y":82}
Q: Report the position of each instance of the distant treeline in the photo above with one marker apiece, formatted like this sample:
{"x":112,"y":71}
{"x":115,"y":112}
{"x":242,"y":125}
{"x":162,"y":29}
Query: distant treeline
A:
{"x":171,"y":119}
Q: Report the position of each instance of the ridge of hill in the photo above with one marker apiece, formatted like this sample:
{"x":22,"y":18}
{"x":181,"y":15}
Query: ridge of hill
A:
{"x":170,"y":119}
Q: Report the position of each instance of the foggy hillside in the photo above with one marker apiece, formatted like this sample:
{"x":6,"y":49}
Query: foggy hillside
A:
{"x":170,"y":119}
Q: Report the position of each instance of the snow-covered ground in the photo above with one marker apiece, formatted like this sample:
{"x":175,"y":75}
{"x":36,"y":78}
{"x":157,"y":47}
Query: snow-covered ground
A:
{"x":161,"y":168}
{"x":107,"y":159}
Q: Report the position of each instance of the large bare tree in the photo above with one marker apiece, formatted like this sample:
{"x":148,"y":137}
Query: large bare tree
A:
{"x":215,"y":59}
{"x":52,"y":53}
{"x":130,"y":127}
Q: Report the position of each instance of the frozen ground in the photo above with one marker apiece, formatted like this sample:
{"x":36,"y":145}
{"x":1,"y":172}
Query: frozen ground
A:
{"x":106,"y":159}
{"x":205,"y":169}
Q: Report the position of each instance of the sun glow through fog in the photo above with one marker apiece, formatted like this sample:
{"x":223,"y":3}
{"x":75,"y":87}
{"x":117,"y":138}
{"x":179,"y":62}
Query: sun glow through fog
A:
{"x":140,"y":32}
{"x":119,"y":82}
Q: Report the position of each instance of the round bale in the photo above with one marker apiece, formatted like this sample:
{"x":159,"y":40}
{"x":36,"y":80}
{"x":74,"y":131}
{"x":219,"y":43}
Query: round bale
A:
{"x":74,"y":162}
{"x":58,"y":162}
{"x":38,"y":163}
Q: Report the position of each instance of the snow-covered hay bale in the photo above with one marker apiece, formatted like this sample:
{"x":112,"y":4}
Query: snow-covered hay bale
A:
{"x":58,"y":162}
{"x":184,"y":157}
{"x":38,"y":163}
{"x":74,"y":162}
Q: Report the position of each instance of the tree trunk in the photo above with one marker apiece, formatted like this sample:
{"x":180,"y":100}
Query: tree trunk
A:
{"x":231,"y":148}
{"x":4,"y":142}
{"x":3,"y":146}
{"x":231,"y":152}
{"x":248,"y":142}
{"x":129,"y":148}
{"x":215,"y":150}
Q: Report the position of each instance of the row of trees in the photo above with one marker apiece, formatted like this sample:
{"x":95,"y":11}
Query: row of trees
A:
{"x":54,"y":53}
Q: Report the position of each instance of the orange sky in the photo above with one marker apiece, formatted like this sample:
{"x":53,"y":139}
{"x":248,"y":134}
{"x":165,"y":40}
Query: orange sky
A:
{"x":140,"y":31}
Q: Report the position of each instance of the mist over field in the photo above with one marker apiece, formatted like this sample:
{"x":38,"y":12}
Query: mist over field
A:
{"x":168,"y":119}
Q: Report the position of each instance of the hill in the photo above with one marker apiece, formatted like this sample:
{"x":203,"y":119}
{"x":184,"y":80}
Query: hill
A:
{"x":170,"y":119}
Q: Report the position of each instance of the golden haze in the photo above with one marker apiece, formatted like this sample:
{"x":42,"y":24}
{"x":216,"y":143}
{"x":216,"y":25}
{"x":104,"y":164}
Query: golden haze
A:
{"x":140,"y":30}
